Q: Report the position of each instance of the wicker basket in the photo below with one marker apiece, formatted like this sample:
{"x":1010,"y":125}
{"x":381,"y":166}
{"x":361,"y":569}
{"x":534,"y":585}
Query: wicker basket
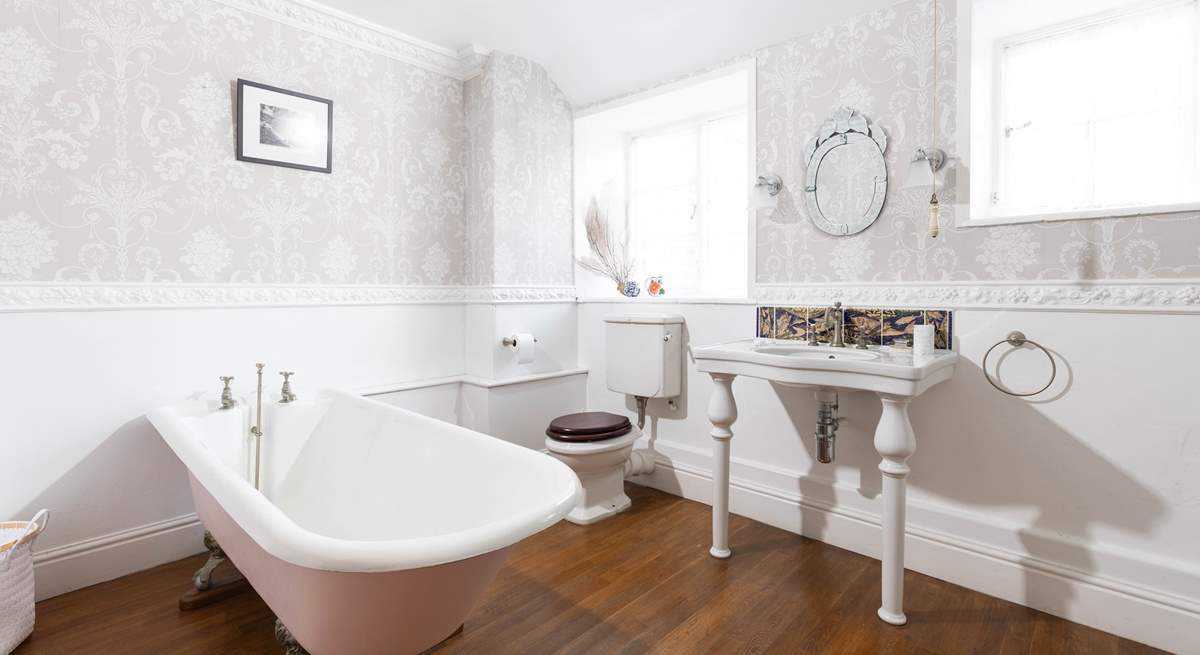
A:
{"x":16,"y":579}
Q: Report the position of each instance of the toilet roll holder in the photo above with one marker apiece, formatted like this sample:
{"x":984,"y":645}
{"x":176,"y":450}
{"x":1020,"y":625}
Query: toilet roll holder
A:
{"x":511,"y":341}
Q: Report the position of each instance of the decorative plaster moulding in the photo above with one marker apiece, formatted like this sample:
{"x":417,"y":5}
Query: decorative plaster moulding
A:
{"x":46,"y":296}
{"x":352,"y":30}
{"x":1171,"y":296}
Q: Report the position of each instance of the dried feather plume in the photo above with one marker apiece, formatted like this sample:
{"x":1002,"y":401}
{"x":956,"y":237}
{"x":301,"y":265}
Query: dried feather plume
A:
{"x":610,"y":256}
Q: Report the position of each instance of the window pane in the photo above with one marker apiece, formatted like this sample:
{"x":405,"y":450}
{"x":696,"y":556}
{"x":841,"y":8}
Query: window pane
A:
{"x":726,"y":181}
{"x":1099,"y":113}
{"x":662,"y":204}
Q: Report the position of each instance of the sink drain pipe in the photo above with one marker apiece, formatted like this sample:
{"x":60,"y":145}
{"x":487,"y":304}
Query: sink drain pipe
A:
{"x":827,"y":425}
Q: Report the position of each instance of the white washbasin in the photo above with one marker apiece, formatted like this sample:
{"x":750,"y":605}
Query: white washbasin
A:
{"x":882,"y":370}
{"x":816,"y":352}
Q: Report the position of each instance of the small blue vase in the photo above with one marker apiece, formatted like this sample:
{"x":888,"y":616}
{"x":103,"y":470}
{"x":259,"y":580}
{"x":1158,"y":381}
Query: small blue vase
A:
{"x":631,"y":289}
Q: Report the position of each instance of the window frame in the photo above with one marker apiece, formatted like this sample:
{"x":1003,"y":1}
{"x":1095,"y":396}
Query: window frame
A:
{"x":963,"y":206}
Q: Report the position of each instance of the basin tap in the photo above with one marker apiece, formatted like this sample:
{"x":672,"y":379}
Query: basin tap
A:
{"x":833,"y":319}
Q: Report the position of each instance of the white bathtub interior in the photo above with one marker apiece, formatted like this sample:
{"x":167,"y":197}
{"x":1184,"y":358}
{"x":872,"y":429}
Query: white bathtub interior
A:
{"x":360,"y":470}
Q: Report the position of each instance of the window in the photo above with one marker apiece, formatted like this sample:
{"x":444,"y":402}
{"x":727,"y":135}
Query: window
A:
{"x":1082,"y":109}
{"x":673,"y":170}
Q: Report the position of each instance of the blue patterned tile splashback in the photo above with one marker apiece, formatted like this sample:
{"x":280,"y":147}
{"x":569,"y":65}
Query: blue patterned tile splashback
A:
{"x":879,"y":326}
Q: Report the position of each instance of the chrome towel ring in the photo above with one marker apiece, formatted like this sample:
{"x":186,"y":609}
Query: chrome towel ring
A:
{"x":1016,"y":339}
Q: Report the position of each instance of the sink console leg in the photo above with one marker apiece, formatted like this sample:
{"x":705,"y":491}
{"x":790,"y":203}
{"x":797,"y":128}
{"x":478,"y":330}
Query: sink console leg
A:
{"x":895,"y":443}
{"x":722,"y":412}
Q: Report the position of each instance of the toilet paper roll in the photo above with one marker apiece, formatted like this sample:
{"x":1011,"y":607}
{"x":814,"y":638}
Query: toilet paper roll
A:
{"x":524,"y":347}
{"x":922,"y":340}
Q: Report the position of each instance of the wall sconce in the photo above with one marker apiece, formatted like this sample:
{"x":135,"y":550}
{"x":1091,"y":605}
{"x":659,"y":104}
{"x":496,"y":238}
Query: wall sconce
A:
{"x":766,"y":192}
{"x":920,"y":176}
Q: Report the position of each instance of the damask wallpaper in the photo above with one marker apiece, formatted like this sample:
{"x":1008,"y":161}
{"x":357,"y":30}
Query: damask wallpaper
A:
{"x":882,"y":64}
{"x":519,"y":169}
{"x":117,"y":153}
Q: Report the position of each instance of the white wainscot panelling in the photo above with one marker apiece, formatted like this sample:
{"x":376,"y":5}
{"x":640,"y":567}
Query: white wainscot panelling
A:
{"x":77,"y":440}
{"x":517,"y":410}
{"x":441,"y":401}
{"x":520,"y":413}
{"x":1081,"y":502}
{"x":552,"y":323}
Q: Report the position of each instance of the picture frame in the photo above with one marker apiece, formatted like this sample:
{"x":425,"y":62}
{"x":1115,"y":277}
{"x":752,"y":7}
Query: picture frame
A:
{"x":280,"y":127}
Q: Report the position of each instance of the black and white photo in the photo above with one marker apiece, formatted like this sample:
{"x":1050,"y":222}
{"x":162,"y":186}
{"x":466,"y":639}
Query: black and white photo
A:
{"x":284,"y":128}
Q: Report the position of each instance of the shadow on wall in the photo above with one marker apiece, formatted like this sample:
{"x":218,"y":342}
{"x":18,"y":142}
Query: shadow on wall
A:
{"x":999,"y":452}
{"x":130,"y":475}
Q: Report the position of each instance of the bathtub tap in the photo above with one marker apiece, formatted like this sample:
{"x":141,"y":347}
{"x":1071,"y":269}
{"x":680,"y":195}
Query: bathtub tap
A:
{"x":285,"y":394}
{"x":227,"y":401}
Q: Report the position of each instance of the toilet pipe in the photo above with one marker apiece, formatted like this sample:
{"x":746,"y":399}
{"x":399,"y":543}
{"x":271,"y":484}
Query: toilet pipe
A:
{"x":641,"y":461}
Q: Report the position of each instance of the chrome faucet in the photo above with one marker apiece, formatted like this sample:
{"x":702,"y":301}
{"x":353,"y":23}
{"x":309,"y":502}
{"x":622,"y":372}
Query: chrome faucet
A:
{"x":285,"y":394}
{"x":833,"y":319}
{"x":227,"y":401}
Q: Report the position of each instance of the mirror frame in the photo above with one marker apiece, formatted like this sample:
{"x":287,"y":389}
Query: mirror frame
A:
{"x":845,"y":126}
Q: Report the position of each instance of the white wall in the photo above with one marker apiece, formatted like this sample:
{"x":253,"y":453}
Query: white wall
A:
{"x":549,"y":386}
{"x":79,"y":384}
{"x":551,"y":323}
{"x":74,"y":409}
{"x":1083,"y":502}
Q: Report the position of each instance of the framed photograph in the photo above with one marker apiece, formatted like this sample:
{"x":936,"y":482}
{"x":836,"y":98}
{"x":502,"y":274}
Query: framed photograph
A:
{"x":284,"y":128}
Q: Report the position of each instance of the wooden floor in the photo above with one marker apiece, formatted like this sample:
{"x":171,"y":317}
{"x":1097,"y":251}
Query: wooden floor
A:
{"x":640,"y":582}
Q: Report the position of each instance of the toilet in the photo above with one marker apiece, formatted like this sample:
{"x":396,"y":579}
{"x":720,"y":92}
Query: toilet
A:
{"x":643,"y":359}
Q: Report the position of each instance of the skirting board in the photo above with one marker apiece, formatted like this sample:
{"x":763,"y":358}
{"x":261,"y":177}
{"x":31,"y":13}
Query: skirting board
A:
{"x":1075,"y":595}
{"x":99,"y":559}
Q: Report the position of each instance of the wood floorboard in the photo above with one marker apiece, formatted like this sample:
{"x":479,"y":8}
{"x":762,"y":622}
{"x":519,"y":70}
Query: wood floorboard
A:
{"x":640,"y":582}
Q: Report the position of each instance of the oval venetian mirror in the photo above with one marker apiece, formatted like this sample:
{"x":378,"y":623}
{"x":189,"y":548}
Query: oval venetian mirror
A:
{"x":846,"y":180}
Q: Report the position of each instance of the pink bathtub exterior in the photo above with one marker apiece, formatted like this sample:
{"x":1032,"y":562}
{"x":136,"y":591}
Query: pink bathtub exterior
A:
{"x":338,"y":613}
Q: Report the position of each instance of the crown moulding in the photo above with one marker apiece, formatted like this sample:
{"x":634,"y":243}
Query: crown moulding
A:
{"x":349,"y":29}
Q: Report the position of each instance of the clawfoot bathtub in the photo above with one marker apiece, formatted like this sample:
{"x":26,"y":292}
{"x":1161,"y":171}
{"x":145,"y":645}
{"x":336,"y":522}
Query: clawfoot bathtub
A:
{"x":376,"y":529}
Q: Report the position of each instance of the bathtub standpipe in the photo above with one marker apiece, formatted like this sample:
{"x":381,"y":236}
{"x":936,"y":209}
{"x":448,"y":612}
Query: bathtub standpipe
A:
{"x":257,"y":432}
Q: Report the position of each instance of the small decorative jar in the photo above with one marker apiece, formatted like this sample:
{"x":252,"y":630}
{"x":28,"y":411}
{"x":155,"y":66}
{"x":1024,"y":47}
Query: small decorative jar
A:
{"x":629,"y":289}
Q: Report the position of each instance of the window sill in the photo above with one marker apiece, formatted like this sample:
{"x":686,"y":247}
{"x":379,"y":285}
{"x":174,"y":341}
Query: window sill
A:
{"x":1112,"y":212}
{"x":667,"y":300}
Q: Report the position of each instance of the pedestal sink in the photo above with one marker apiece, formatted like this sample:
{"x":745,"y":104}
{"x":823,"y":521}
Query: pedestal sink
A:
{"x":895,"y":375}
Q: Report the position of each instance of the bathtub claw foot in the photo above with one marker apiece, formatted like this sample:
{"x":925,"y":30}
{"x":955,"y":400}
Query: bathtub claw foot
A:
{"x":217,"y":580}
{"x":202,"y":579}
{"x":284,"y":637}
